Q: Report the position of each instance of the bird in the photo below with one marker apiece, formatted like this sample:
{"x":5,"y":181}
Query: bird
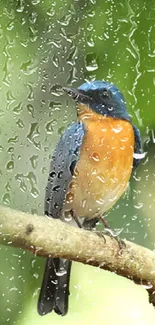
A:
{"x":89,"y":171}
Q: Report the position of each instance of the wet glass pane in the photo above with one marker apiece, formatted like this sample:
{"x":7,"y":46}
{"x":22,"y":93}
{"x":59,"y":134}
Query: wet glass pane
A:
{"x":47,"y":45}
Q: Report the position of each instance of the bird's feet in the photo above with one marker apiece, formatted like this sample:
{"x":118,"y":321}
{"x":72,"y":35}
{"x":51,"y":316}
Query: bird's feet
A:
{"x":100,"y":234}
{"x":112,"y":234}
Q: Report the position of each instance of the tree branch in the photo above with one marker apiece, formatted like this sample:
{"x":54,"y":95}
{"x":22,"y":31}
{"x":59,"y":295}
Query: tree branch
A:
{"x":50,"y":237}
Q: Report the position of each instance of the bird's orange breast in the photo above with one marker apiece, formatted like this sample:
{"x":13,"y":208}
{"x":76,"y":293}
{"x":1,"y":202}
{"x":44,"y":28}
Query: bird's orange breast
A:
{"x":104,"y":167}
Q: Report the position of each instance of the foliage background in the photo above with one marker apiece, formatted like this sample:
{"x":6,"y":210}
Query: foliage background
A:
{"x":45,"y":44}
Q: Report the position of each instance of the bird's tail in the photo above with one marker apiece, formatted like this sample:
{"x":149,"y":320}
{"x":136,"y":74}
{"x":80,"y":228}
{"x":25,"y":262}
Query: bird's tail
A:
{"x":55,"y":287}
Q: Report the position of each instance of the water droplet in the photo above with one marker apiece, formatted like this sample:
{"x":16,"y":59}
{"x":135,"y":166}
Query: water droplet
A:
{"x":1,"y":32}
{"x":95,"y":156}
{"x":134,"y":218}
{"x":72,"y":167}
{"x":49,"y":126}
{"x":104,"y":129}
{"x":83,"y":203}
{"x":14,"y":289}
{"x":52,"y":174}
{"x":91,"y":13}
{"x":50,"y":12}
{"x":20,"y":123}
{"x":67,"y":215}
{"x":10,"y":166}
{"x":64,"y":21}
{"x":10,"y":26}
{"x":36,"y":292}
{"x":31,"y":91}
{"x":55,"y":60}
{"x":137,"y":178}
{"x":60,"y":174}
{"x":61,"y":272}
{"x":72,"y":56}
{"x":56,"y":205}
{"x":91,"y":62}
{"x":44,"y":170}
{"x":36,"y":275}
{"x":10,"y":149}
{"x":139,"y":205}
{"x":56,"y":188}
{"x":90,"y":41}
{"x":94,"y":171}
{"x":122,"y":147}
{"x":56,"y":90}
{"x":35,"y":2}
{"x":6,"y":198}
{"x":20,"y":179}
{"x":10,"y":97}
{"x":114,"y":180}
{"x":76,"y":172}
{"x":34,"y":161}
{"x":31,"y":110}
{"x":34,"y":192}
{"x":33,"y":133}
{"x":90,"y":27}
{"x":33,"y":38}
{"x":100,"y":202}
{"x":69,"y":197}
{"x":29,"y":67}
{"x":7,"y":68}
{"x":13,"y":140}
{"x":72,"y":76}
{"x":20,"y":6}
{"x":118,"y":129}
{"x":33,"y":17}
{"x":8,"y":187}
{"x":31,"y":178}
{"x":1,"y":148}
{"x":101,"y":177}
{"x":72,"y":184}
{"x":43,"y":88}
{"x":125,"y":139}
{"x":139,"y":155}
{"x":55,"y":106}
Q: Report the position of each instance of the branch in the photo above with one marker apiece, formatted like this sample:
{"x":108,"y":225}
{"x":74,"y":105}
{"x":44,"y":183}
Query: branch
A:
{"x":51,"y":237}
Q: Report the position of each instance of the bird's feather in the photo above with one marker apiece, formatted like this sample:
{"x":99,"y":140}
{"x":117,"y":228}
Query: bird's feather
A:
{"x":55,"y":286}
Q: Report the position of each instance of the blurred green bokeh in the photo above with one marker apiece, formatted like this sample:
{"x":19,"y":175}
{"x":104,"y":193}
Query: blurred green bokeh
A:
{"x":45,"y":44}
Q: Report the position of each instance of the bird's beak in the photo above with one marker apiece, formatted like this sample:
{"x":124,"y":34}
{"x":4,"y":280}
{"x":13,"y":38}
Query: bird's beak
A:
{"x":77,"y":94}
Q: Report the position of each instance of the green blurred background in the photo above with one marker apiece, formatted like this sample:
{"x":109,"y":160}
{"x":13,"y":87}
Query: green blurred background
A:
{"x":46,"y":44}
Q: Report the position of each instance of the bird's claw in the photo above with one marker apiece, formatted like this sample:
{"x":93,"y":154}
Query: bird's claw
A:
{"x":100,"y":234}
{"x":111,"y":234}
{"x":121,"y":243}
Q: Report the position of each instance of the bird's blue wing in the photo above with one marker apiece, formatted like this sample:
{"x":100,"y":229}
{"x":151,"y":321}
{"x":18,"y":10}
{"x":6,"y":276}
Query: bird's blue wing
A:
{"x":62,"y":166}
{"x":138,"y":148}
{"x":55,"y":285}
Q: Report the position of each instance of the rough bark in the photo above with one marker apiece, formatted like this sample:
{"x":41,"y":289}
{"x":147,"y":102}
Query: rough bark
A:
{"x":50,"y":237}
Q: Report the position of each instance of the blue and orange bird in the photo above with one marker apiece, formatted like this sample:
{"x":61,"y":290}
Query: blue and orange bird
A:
{"x":89,"y":171}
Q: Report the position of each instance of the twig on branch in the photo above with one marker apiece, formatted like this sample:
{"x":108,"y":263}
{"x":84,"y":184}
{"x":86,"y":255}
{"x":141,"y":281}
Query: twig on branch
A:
{"x":50,"y":237}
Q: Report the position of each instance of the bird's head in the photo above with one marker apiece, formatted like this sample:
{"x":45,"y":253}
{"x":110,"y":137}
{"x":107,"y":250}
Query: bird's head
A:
{"x":101,"y":97}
